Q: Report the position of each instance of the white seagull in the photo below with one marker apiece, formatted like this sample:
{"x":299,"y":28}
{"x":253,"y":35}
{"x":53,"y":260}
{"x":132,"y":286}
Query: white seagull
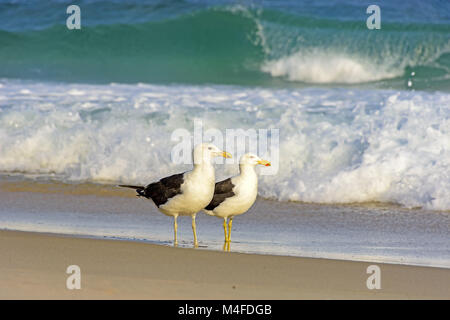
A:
{"x":187,"y":193}
{"x":234,"y":196}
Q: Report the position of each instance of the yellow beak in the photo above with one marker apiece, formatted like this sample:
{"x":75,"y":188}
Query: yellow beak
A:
{"x":264,"y":163}
{"x":226,"y":155}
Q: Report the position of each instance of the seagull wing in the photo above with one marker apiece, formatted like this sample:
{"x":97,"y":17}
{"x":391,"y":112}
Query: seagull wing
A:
{"x":222,"y":190}
{"x":160,"y":192}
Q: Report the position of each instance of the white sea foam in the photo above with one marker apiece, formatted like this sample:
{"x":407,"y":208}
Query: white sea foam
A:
{"x":323,"y":67}
{"x":337,"y":146}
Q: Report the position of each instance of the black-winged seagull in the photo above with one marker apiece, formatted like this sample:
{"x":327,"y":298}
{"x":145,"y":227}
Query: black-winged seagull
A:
{"x":234,"y":196}
{"x":187,"y":193}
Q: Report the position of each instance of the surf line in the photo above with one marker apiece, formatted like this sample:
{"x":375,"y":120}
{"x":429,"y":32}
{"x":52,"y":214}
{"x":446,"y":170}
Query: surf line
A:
{"x":195,"y":310}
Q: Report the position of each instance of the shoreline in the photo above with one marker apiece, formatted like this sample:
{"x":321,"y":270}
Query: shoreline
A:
{"x":188,"y":245}
{"x":22,"y":183}
{"x":34,"y":264}
{"x":365,"y":233}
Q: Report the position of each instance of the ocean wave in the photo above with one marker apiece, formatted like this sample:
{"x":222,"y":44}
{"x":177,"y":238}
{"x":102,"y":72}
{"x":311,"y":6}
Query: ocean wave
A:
{"x":336,"y":145}
{"x":321,"y":67}
{"x":231,"y":44}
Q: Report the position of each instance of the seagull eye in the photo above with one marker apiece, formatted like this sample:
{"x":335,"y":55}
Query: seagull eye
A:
{"x":209,"y":148}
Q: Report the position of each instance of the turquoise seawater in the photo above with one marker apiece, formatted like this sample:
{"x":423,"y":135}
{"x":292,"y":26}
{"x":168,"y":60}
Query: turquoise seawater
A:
{"x":268,"y":43}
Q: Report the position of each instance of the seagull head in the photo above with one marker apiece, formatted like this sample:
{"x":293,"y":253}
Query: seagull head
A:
{"x":207,"y":151}
{"x":253,"y":160}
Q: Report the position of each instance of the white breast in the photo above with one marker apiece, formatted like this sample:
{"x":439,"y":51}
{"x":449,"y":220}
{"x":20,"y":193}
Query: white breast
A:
{"x":197,"y":192}
{"x":245,"y":192}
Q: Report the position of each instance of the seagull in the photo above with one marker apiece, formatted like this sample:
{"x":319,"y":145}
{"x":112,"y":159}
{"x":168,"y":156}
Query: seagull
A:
{"x":187,"y":193}
{"x":235,"y":195}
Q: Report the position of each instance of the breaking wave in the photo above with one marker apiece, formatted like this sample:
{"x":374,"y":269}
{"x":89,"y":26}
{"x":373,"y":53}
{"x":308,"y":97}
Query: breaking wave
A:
{"x":336,"y":145}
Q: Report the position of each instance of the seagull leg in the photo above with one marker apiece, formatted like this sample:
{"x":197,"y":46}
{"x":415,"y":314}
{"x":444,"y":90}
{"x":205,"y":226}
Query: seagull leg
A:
{"x":175,"y":228}
{"x":230,"y":223}
{"x":194,"y":230}
{"x":225,"y":230}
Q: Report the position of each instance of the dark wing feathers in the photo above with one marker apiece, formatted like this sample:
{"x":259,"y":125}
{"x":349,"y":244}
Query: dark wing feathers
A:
{"x":224,"y":186}
{"x":222,"y":191}
{"x":160,"y":192}
{"x":131,"y":187}
{"x":173,"y":182}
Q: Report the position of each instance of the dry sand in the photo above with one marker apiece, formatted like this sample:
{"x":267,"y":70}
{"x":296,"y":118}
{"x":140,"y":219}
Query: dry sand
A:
{"x":33,"y":266}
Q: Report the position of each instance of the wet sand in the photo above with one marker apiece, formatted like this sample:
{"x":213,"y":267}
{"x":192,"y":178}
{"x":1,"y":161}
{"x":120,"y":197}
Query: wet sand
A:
{"x":33,"y":266}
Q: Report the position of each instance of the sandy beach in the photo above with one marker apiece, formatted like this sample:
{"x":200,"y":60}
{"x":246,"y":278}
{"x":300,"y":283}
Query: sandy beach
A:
{"x":74,"y":223}
{"x":33,"y":266}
